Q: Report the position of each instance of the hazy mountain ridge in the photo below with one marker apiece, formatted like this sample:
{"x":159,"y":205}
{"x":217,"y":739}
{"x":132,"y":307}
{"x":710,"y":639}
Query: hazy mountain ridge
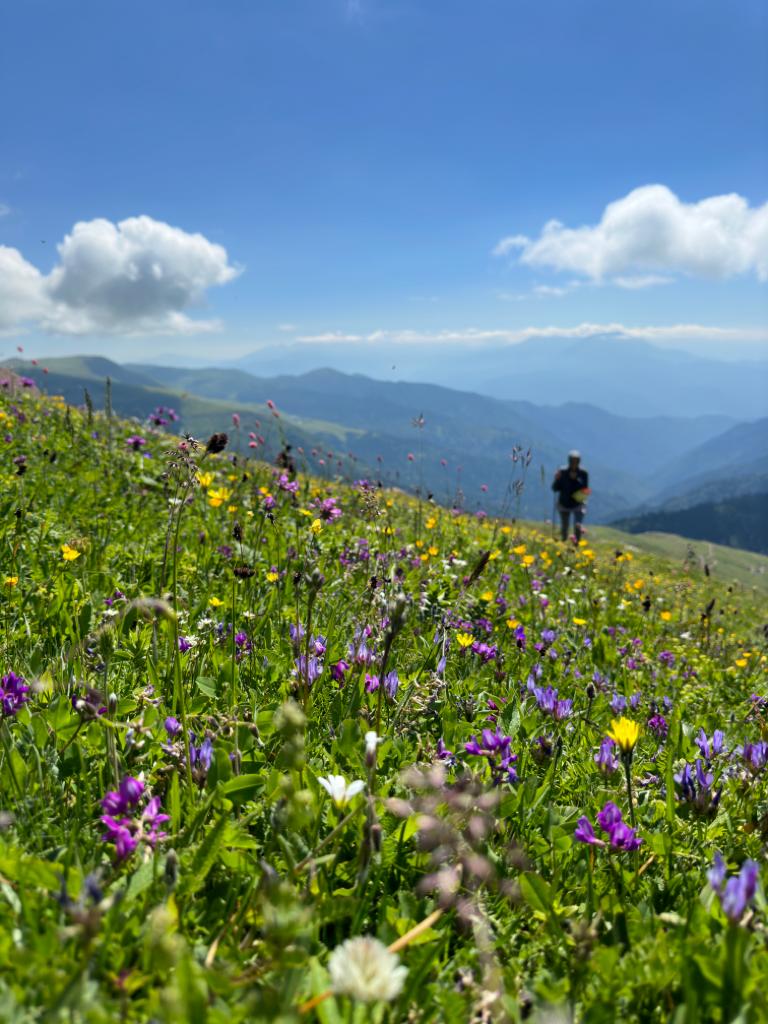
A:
{"x":627,"y":377}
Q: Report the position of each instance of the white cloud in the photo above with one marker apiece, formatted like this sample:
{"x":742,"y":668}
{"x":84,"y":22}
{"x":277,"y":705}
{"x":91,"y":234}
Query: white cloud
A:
{"x":4,"y":209}
{"x":287,"y":328}
{"x":21,"y":289}
{"x":651,"y":232}
{"x":638,"y":281}
{"x":139,"y":276}
{"x":550,"y":291}
{"x":512,"y":336}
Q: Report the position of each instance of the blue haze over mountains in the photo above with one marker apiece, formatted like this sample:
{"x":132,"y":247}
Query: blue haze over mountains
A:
{"x":661,"y":431}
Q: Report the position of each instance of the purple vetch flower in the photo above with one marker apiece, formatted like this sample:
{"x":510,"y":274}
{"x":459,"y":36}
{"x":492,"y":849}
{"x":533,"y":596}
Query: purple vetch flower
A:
{"x":318,"y":644}
{"x":497,"y":748}
{"x":391,"y":684}
{"x":172,"y":726}
{"x":657,"y":724}
{"x":127,"y":795}
{"x":124,"y":827}
{"x":737,"y":893}
{"x":605,"y":758}
{"x":339,"y":670}
{"x":486,"y":652}
{"x":609,"y":816}
{"x":618,"y":704}
{"x":13,"y":694}
{"x":667,"y":658}
{"x":585,"y":833}
{"x":135,"y":442}
{"x":620,"y":835}
{"x":185,"y":645}
{"x":444,"y":754}
{"x":200,"y":758}
{"x":309,"y":669}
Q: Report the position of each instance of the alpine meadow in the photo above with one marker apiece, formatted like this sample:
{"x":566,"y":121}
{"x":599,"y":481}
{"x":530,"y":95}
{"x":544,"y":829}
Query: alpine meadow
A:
{"x":279,"y":749}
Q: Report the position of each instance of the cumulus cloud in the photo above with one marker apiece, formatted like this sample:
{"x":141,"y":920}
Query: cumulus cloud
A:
{"x":651,"y":233}
{"x":512,"y":336}
{"x":21,"y":290}
{"x":140,"y":276}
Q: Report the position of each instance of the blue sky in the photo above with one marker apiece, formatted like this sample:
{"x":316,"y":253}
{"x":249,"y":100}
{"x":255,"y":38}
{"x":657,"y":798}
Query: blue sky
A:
{"x":379,"y":169}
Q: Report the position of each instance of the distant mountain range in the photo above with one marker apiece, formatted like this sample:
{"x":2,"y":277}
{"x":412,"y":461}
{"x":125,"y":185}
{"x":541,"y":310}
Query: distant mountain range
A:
{"x":624,"y":376}
{"x":353,"y":425}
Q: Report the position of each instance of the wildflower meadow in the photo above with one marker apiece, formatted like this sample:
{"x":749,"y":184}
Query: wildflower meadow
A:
{"x":277,"y":748}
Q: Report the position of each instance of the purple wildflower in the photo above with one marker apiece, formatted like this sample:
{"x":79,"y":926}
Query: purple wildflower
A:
{"x":13,"y":693}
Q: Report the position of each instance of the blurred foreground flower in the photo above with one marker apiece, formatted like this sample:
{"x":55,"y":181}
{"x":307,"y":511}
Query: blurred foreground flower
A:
{"x":69,"y":554}
{"x":364,"y":969}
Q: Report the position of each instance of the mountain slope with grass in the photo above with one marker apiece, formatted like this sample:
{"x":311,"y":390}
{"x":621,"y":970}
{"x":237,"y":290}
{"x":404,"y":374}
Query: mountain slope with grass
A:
{"x":461,"y":453}
{"x":275,"y":746}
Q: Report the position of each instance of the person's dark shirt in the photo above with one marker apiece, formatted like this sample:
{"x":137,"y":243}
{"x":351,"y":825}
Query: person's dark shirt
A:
{"x":566,"y":486}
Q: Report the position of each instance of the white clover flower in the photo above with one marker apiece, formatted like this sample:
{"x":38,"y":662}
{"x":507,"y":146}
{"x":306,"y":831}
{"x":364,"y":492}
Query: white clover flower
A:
{"x":339,"y":790}
{"x":364,"y":969}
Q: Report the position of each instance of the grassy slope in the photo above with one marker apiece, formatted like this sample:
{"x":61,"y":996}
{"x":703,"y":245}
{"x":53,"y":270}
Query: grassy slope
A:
{"x":726,"y":564}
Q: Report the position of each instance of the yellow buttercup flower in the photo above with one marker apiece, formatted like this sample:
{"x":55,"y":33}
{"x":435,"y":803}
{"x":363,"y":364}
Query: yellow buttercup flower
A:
{"x":579,"y":622}
{"x":464,"y":639}
{"x":205,"y":480}
{"x":486,"y":596}
{"x":665,"y":616}
{"x":316,"y":525}
{"x":215,"y":602}
{"x":519,"y":550}
{"x":273,"y":577}
{"x":69,"y":554}
{"x":528,"y":559}
{"x":11,"y":581}
{"x":624,"y":734}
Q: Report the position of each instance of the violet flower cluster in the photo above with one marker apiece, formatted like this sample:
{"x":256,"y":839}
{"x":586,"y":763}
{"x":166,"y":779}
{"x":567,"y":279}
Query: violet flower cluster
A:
{"x":13,"y":694}
{"x":497,"y":749}
{"x":620,"y":835}
{"x":736,"y":893}
{"x":125,"y":826}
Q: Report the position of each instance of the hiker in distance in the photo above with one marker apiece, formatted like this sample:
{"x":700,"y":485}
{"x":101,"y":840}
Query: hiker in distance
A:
{"x":571,"y":485}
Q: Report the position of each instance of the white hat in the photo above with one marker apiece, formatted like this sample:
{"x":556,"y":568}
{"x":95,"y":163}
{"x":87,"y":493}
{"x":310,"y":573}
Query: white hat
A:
{"x":573,"y":454}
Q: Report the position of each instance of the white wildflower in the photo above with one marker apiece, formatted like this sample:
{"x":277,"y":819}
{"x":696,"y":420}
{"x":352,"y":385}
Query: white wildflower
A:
{"x":339,"y":790}
{"x":364,"y":969}
{"x":372,"y":740}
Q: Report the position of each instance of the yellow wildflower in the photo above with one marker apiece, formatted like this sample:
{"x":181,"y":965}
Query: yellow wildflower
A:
{"x":624,"y":734}
{"x":205,"y":480}
{"x":217,"y":496}
{"x":11,"y":581}
{"x":464,"y":639}
{"x":433,"y":550}
{"x":273,"y":577}
{"x":69,"y":554}
{"x":665,"y":616}
{"x":215,"y":602}
{"x":528,"y":559}
{"x":579,"y":622}
{"x":316,"y":525}
{"x":519,"y":550}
